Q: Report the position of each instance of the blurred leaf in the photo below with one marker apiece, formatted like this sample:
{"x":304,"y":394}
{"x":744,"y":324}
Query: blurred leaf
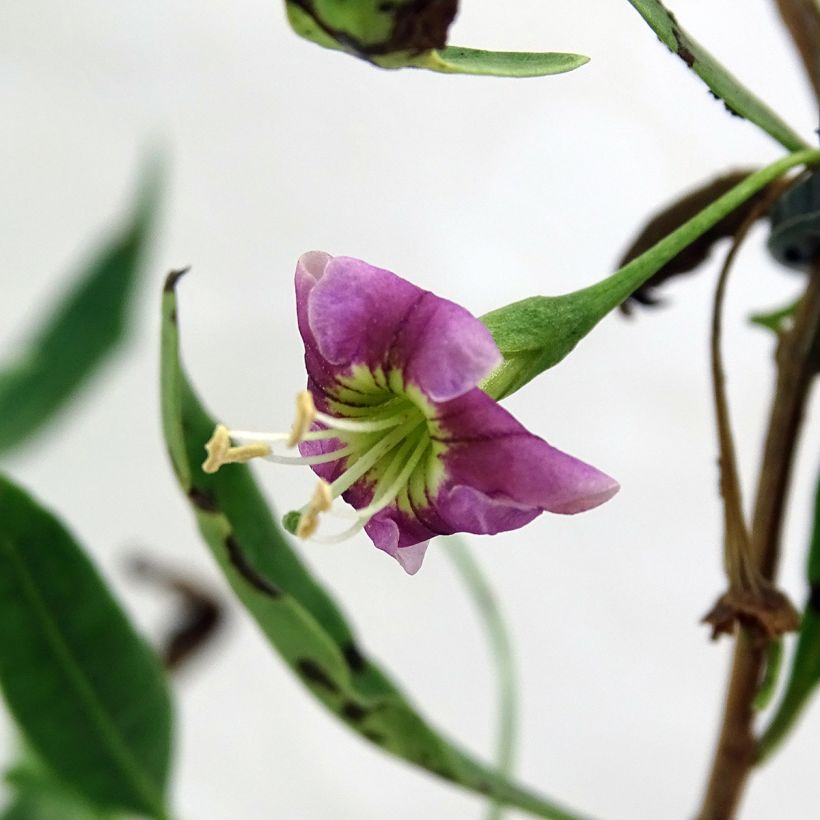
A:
{"x":777,"y":319}
{"x":39,"y":795}
{"x":768,"y":686}
{"x":723,"y":85}
{"x":412,"y":34}
{"x":500,"y":646}
{"x":83,"y":330}
{"x":672,"y":217}
{"x":85,"y":690}
{"x":49,"y":804}
{"x":298,"y":617}
{"x":197,"y":619}
{"x":458,"y":60}
{"x":804,"y":674}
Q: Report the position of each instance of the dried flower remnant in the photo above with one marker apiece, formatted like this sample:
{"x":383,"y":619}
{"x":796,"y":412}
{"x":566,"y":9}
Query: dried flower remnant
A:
{"x":394,"y":422}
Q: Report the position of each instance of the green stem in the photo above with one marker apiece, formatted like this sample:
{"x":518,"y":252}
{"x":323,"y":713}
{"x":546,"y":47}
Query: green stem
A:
{"x":613,"y":291}
{"x":501,"y":650}
{"x":537,"y":333}
{"x":738,"y":99}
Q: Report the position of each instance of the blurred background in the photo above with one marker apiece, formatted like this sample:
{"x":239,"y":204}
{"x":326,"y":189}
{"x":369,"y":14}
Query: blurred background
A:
{"x":486,"y":191}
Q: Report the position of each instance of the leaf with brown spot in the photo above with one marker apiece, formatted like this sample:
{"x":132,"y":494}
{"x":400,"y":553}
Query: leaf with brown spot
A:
{"x":738,"y":99}
{"x":301,"y":621}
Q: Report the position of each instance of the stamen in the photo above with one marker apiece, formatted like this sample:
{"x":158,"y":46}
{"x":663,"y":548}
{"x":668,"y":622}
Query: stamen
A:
{"x":305,"y":416}
{"x":372,"y":456}
{"x":384,"y":499}
{"x":274,"y":438}
{"x":361,"y":426}
{"x":321,"y":458}
{"x":221,"y":452}
{"x":395,"y":488}
{"x":319,"y":503}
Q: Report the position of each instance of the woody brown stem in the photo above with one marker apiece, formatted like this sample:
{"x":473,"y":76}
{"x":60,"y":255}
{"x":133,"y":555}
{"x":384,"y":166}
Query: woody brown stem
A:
{"x":796,"y":364}
{"x":802,"y":19}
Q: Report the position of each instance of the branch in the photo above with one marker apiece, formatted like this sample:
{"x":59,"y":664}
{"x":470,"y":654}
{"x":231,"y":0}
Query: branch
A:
{"x":802,"y":19}
{"x":796,"y":365}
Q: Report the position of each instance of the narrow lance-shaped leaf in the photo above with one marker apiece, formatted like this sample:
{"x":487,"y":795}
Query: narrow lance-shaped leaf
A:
{"x":298,"y":616}
{"x":537,"y":333}
{"x":804,"y":674}
{"x":725,"y":86}
{"x":86,"y":692}
{"x":83,"y":330}
{"x":502,"y":655}
{"x":460,"y":60}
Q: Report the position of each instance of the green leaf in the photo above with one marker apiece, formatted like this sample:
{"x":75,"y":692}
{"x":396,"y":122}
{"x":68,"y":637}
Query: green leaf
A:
{"x":81,"y":332}
{"x":804,"y":674}
{"x":737,"y":98}
{"x":537,"y":333}
{"x":768,"y":686}
{"x":458,"y":60}
{"x":298,"y":616}
{"x":777,"y":319}
{"x":501,"y":649}
{"x":85,"y":690}
{"x":50,"y":804}
{"x":39,"y":795}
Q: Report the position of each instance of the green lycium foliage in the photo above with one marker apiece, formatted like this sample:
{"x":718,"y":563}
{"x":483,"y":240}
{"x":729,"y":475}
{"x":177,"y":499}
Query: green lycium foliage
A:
{"x":86,"y":692}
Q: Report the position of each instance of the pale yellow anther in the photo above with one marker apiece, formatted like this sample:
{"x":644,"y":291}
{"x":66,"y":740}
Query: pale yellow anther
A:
{"x":321,"y":502}
{"x":305,"y":416}
{"x":221,"y":452}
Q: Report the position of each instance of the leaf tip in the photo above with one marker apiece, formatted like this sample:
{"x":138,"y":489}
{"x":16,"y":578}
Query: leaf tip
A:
{"x":173,"y":277}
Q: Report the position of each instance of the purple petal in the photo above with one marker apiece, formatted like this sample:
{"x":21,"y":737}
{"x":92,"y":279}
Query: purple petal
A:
{"x":490,"y":452}
{"x":388,"y":532}
{"x":353,"y":313}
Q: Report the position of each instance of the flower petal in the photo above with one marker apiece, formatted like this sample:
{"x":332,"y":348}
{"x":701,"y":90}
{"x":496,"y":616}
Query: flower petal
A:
{"x":388,"y":533}
{"x":353,"y":313}
{"x":490,"y":452}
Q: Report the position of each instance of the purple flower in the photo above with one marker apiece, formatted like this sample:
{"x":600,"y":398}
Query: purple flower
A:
{"x":401,"y":429}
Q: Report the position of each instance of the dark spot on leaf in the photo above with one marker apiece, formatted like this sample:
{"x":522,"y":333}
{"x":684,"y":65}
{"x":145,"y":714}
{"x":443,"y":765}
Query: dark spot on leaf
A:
{"x":247,"y":571}
{"x":418,"y":26}
{"x":732,"y":111}
{"x":173,"y":277}
{"x":682,"y":48}
{"x":422,"y":25}
{"x":313,"y":673}
{"x":354,"y":711}
{"x":814,"y":597}
{"x":355,"y":659}
{"x":202,"y":500}
{"x":375,"y":737}
{"x":442,"y":772}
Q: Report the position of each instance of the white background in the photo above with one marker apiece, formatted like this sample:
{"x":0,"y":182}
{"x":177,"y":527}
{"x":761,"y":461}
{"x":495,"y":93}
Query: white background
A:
{"x":486,"y":191}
